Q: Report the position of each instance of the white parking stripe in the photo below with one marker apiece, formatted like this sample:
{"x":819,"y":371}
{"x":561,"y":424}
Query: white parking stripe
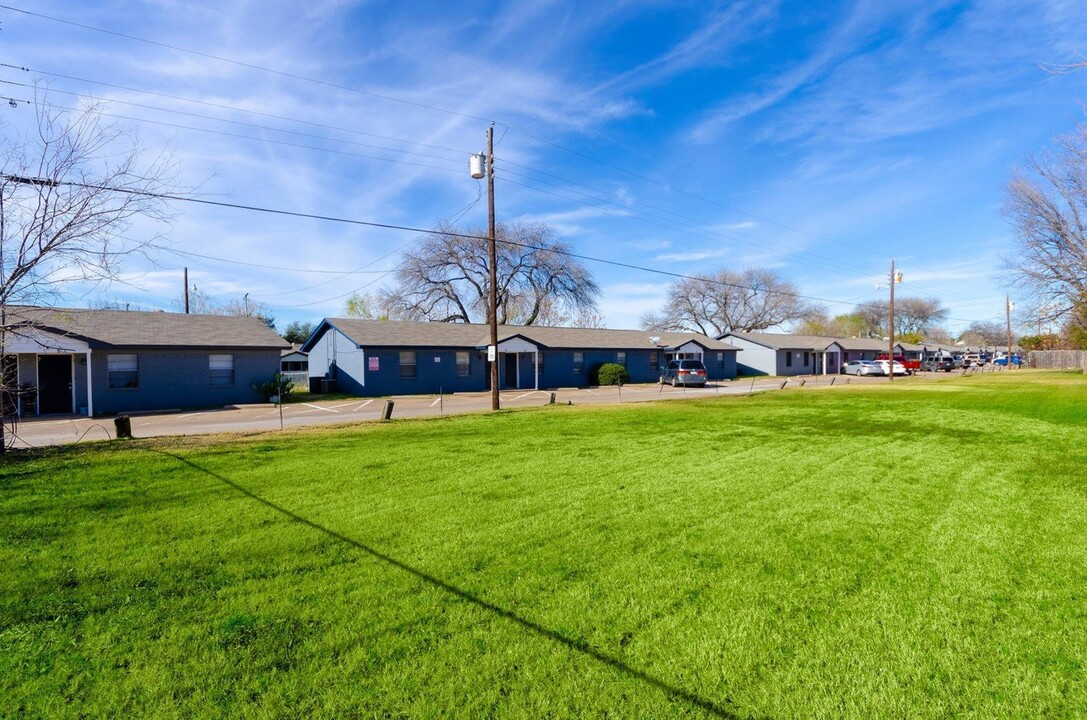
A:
{"x":318,"y":407}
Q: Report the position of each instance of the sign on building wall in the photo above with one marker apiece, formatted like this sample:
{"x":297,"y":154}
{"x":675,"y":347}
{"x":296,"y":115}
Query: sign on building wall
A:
{"x":374,"y":363}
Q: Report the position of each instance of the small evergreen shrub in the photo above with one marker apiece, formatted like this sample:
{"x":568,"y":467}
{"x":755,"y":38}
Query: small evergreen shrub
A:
{"x":279,"y":386}
{"x":612,"y":374}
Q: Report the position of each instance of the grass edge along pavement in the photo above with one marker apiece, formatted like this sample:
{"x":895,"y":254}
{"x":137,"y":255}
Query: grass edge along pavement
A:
{"x":776,"y":590}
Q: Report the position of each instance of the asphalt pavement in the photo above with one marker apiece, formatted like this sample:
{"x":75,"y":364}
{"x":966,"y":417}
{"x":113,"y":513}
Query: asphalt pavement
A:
{"x":62,"y":430}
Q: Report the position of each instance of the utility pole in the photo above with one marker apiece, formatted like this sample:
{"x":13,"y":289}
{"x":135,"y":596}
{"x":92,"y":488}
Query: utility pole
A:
{"x":482,"y":164}
{"x":186,"y":291}
{"x":492,"y":254}
{"x":1008,"y":309}
{"x":891,"y":329}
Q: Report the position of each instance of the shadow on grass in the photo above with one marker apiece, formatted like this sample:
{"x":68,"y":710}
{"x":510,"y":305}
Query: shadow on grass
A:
{"x":670,"y":690}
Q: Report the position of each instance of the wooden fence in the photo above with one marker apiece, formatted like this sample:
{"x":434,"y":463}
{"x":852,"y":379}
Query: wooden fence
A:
{"x":1058,"y":359}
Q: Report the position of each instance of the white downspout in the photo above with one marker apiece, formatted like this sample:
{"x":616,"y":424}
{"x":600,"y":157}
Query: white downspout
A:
{"x":90,"y":387}
{"x":536,"y":368}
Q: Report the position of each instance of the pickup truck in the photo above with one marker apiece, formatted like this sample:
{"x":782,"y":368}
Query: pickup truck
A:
{"x":911,"y":366}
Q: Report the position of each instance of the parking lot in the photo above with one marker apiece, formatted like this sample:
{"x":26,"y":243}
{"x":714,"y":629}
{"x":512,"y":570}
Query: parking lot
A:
{"x":54,"y":430}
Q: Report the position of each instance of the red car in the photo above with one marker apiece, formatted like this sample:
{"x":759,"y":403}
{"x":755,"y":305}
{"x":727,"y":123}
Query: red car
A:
{"x":911,"y":366}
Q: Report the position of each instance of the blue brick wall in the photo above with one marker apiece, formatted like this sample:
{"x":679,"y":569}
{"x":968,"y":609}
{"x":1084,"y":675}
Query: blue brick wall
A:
{"x":178,"y":379}
{"x":333,"y":355}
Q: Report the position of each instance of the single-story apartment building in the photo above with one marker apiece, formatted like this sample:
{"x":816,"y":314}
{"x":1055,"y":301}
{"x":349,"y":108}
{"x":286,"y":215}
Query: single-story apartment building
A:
{"x":96,"y":362}
{"x":392,"y":357}
{"x":780,"y":353}
{"x":786,"y":354}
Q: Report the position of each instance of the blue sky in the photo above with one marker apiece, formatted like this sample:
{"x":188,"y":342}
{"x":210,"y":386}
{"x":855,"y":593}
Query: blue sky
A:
{"x":819,"y":139}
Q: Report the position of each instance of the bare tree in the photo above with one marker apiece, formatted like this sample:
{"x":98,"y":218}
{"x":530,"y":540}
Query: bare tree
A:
{"x":916,"y":315}
{"x":979,"y":334}
{"x":752,"y":299}
{"x":70,"y":189}
{"x":447,"y":278}
{"x":1046,"y":204}
{"x":203,"y":303}
{"x":912,"y":315}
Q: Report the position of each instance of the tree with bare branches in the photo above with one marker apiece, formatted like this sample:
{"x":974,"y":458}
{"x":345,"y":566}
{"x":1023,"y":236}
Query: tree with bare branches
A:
{"x":447,"y":278}
{"x":70,"y":189}
{"x":912,"y":315}
{"x":727,"y":300}
{"x":1046,"y":203}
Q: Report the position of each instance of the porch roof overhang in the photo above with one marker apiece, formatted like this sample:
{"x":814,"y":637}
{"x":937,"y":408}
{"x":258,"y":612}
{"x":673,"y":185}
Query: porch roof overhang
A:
{"x":39,"y":342}
{"x":517,"y":344}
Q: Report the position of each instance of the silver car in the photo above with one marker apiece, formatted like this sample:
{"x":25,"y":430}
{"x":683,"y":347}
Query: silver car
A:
{"x":684,"y":372}
{"x":861,"y":367}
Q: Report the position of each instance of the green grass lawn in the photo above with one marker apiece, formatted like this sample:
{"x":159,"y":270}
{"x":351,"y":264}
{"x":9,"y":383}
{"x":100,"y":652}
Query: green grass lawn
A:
{"x":913,"y":552}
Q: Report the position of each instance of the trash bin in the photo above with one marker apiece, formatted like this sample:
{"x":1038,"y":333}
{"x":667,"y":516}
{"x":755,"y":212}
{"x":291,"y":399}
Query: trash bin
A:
{"x":123,"y":425}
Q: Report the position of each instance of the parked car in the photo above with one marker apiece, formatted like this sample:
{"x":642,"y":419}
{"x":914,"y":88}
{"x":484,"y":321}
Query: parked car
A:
{"x":896,"y":367}
{"x":910,"y":365}
{"x":684,"y":372}
{"x":862,"y":367}
{"x":938,"y":362}
{"x":1003,"y":360}
{"x":973,"y":360}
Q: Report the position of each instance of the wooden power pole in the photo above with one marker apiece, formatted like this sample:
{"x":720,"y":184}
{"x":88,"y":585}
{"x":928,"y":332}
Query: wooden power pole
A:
{"x":891,"y":329}
{"x":492,"y":256}
{"x":186,"y":291}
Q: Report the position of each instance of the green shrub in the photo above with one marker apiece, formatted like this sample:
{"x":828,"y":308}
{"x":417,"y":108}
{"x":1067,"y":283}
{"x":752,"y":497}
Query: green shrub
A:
{"x":280,"y":385}
{"x":612,"y":374}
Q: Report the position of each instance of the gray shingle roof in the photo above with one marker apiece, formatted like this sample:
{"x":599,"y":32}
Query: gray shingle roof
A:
{"x":786,"y":341}
{"x":402,"y":333}
{"x":781,"y":341}
{"x":863,"y":343}
{"x":124,"y":328}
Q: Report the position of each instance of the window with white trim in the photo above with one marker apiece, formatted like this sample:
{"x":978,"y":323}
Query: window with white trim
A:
{"x":464,"y":363}
{"x":123,"y":371}
{"x":407,"y":363}
{"x":621,"y":358}
{"x":221,"y":370}
{"x":579,"y":362}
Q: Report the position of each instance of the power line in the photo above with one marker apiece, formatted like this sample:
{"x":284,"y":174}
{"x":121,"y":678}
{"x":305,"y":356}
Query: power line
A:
{"x":390,"y":98}
{"x":828,"y":263}
{"x":190,"y":254}
{"x":260,"y":139}
{"x":250,"y":66}
{"x":421,"y":231}
{"x":460,"y":152}
{"x":819,"y":263}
